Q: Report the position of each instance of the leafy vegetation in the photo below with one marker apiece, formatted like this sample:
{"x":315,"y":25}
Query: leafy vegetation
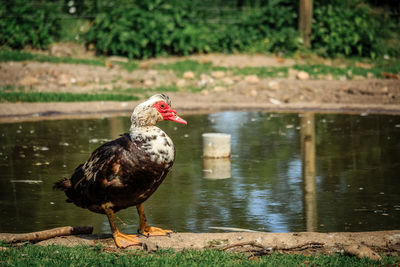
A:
{"x":96,"y":256}
{"x":27,"y":23}
{"x":143,"y":29}
{"x":150,"y":28}
{"x":346,"y":31}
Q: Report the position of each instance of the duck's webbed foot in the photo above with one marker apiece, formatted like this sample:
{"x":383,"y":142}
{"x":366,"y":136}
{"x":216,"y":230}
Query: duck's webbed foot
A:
{"x":154,"y":231}
{"x":123,"y":240}
{"x":147,"y":230}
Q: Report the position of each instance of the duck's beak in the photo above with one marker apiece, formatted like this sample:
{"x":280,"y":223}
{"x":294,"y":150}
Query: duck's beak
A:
{"x":171,"y":116}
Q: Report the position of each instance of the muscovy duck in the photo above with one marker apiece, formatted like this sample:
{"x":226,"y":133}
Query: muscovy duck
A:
{"x":126,"y":171}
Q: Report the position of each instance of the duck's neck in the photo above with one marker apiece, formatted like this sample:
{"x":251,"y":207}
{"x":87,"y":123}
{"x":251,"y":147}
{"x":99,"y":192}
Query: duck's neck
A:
{"x":140,"y":131}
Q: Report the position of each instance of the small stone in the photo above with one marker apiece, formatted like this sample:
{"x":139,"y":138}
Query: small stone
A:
{"x":152,"y":73}
{"x":302,"y":75}
{"x":205,"y":60}
{"x":148,"y":83}
{"x":188,"y":75}
{"x":181,"y":83}
{"x":342,"y":78}
{"x":253,"y":92}
{"x":370,"y":75}
{"x":329,"y":77}
{"x":29,"y":81}
{"x":204,"y":80}
{"x":144,"y":65}
{"x":273,"y":85}
{"x":251,"y":79}
{"x":385,"y":89}
{"x":358,"y":77}
{"x":220,"y":89}
{"x":227,"y":80}
{"x":275,"y":101}
{"x":218,"y":74}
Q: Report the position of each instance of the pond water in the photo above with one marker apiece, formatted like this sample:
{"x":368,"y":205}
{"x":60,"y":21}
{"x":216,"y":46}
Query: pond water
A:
{"x":288,"y":172}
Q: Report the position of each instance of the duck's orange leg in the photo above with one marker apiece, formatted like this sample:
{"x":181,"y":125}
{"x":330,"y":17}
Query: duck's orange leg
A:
{"x":121,"y":240}
{"x":144,"y":227}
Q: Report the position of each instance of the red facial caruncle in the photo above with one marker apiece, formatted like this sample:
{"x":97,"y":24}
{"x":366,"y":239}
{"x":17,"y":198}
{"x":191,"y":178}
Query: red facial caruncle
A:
{"x":168,"y":113}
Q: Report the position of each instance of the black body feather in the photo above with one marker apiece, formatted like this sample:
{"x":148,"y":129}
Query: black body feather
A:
{"x":119,"y":173}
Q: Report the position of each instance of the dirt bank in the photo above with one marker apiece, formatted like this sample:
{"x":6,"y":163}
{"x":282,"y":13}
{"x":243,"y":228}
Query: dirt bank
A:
{"x":383,"y":242}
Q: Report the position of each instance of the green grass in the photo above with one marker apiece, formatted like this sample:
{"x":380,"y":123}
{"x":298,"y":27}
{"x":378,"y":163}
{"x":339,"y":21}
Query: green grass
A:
{"x":170,"y":88}
{"x":14,"y":55}
{"x":61,"y":97}
{"x":263,"y":72}
{"x":29,"y":255}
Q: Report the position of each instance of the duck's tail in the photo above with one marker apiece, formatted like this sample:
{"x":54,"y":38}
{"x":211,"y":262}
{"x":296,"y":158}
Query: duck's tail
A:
{"x":63,"y":184}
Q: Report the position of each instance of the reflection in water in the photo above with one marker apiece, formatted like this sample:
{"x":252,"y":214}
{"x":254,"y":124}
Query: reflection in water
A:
{"x":216,"y":168}
{"x":307,"y":135}
{"x":353,"y":177}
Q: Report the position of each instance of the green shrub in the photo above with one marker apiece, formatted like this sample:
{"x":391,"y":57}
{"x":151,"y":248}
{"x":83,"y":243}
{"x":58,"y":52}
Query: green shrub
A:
{"x":337,"y":30}
{"x":28,"y":23}
{"x":141,"y":29}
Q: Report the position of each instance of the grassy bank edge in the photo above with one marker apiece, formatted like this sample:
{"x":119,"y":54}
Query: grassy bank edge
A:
{"x":99,"y":256}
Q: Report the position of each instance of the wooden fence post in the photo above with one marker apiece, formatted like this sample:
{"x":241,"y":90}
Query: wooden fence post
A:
{"x":305,"y":21}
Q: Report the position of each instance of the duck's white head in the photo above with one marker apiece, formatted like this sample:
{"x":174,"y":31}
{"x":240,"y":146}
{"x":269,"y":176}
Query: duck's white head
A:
{"x":156,"y":108}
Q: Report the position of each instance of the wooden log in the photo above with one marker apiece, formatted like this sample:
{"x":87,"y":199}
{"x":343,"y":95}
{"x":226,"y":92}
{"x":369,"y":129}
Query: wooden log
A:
{"x":46,"y":234}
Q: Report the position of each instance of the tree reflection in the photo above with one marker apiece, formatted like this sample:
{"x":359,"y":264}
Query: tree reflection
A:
{"x":307,"y":135}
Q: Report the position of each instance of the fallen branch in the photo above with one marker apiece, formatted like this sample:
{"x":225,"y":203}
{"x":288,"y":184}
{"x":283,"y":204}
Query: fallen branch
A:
{"x":46,"y":234}
{"x":304,"y":246}
{"x":265,"y":250}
